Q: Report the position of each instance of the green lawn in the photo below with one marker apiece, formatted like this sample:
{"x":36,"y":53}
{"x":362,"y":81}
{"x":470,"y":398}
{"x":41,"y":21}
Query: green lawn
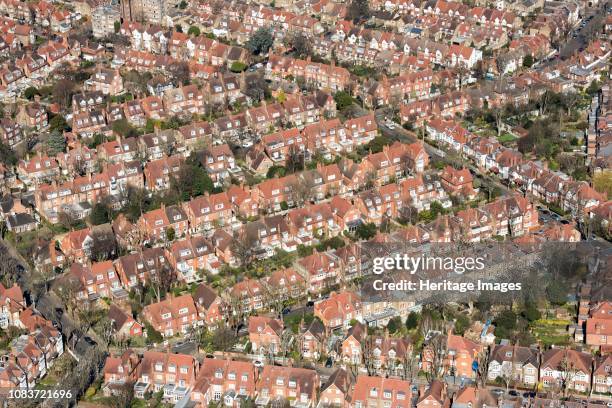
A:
{"x":506,"y":138}
{"x":551,"y":331}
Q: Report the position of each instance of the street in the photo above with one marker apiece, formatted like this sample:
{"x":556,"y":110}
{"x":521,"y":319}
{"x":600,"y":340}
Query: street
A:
{"x":400,"y":134}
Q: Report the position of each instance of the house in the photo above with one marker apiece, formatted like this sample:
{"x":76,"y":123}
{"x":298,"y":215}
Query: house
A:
{"x":174,"y":374}
{"x":76,"y":245}
{"x":388,"y":355}
{"x":599,"y":325}
{"x":226,"y":381}
{"x":120,"y":371}
{"x":458,"y":182}
{"x":21,"y":222}
{"x":96,"y":280}
{"x":191,"y":256}
{"x":312,"y":339}
{"x":572,"y":367}
{"x":378,"y":392}
{"x":124,"y":325}
{"x":395,"y":161}
{"x":138,"y":267}
{"x":285,"y":284}
{"x":173,"y":315}
{"x":157,"y":224}
{"x":248,"y":295}
{"x":339,"y":309}
{"x":12,"y":304}
{"x":352,"y":347}
{"x":211,"y":307}
{"x":265,"y":335}
{"x":335,"y":391}
{"x":321,"y":270}
{"x":32,"y":115}
{"x":107,"y":81}
{"x":11,"y":133}
{"x":460,"y":355}
{"x":435,"y":396}
{"x":219,"y":162}
{"x":602,"y":374}
{"x":287,"y":383}
{"x":515,"y":363}
{"x":209,"y":211}
{"x":37,"y":169}
{"x":160,"y":173}
{"x":474,"y":397}
{"x":346,"y":216}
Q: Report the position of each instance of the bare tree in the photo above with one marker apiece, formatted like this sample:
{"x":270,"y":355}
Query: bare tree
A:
{"x":161,"y":281}
{"x":122,"y":396}
{"x":567,"y":374}
{"x":103,"y":245}
{"x":483,"y":366}
{"x":543,"y":102}
{"x":571,"y":99}
{"x":243,"y":245}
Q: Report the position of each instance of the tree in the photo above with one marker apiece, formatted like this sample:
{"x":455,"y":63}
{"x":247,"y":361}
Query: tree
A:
{"x":531,"y":312}
{"x":238,"y":66}
{"x":343,"y":100}
{"x":178,"y":28}
{"x":117,"y":26}
{"x":123,"y":395}
{"x":358,"y":10}
{"x":103,"y":245}
{"x":505,"y":323}
{"x":302,"y":45}
{"x":170,"y":234}
{"x":179,"y":71}
{"x":528,"y":61}
{"x":394,"y":325}
{"x":194,"y":30}
{"x":412,"y":321}
{"x":30,"y":92}
{"x":152,"y":334}
{"x":462,"y":323}
{"x":366,"y":231}
{"x":570,"y":100}
{"x":58,"y":123}
{"x":100,"y":214}
{"x":62,"y":92}
{"x":602,"y":182}
{"x":123,"y":128}
{"x":7,"y":155}
{"x":260,"y":42}
{"x":243,"y":246}
{"x":56,"y":143}
{"x":256,"y":87}
{"x":556,"y":292}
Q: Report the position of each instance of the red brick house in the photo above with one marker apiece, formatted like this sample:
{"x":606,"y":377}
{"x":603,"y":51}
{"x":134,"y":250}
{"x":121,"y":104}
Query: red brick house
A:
{"x":339,"y":309}
{"x":287,"y":383}
{"x":173,"y":315}
{"x":265,"y":335}
{"x":375,"y":392}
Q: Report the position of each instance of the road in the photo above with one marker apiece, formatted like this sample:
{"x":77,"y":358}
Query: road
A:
{"x":405,"y":136}
{"x":50,"y":306}
{"x":580,"y":37}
